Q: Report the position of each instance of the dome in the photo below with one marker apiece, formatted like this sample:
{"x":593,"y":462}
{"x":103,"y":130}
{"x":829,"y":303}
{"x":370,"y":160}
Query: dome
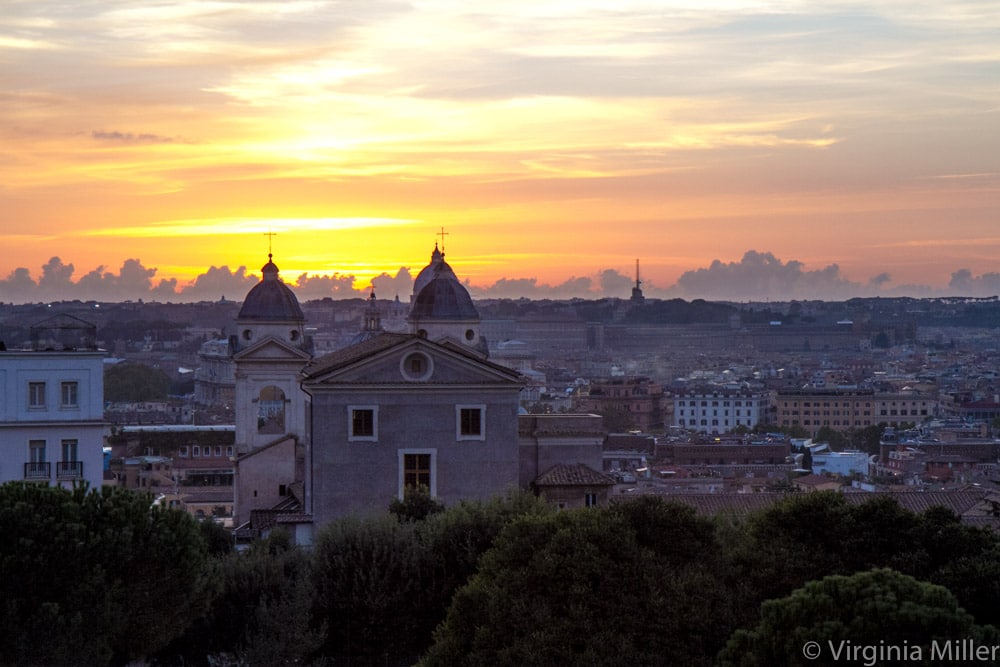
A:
{"x":437,"y":267}
{"x":271,"y":299}
{"x":444,"y":298}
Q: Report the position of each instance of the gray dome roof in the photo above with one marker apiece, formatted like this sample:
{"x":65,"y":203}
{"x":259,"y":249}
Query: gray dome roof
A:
{"x":436,"y":268}
{"x":271,"y":299}
{"x":444,"y":298}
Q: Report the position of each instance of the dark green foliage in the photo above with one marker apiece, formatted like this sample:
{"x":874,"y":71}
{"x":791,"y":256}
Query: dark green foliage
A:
{"x":368,"y":579}
{"x":876,"y":608}
{"x":417,"y":504}
{"x":93,"y":577}
{"x":260,"y":612}
{"x":601,"y":586}
{"x":383,"y":585}
{"x":809,"y":536}
{"x":218,"y":540}
{"x":129,"y":381}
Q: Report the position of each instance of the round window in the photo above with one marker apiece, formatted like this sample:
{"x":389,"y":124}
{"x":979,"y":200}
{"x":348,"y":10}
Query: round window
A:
{"x":416,"y":366}
{"x":247,"y":334}
{"x":470,"y":334}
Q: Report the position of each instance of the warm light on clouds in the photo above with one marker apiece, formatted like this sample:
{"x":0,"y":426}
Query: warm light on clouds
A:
{"x":209,"y":227}
{"x":554,"y":139}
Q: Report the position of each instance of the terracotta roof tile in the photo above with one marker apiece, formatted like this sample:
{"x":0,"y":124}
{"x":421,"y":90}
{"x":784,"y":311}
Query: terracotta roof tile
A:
{"x":562,"y":474}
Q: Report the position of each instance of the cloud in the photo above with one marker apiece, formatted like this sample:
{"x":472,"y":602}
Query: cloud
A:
{"x":133,"y":281}
{"x":515,"y":288}
{"x":756,"y":276}
{"x":318,"y":287}
{"x":400,"y":285}
{"x":963,"y":283}
{"x":761,"y":275}
{"x":219,"y":282}
{"x":130,"y":138}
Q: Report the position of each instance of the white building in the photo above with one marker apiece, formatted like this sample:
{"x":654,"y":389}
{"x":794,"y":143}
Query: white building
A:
{"x":718,"y":409}
{"x":52,"y":427}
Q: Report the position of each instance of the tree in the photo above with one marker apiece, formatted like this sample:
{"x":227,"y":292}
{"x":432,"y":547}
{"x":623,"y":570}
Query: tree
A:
{"x":367,"y":577}
{"x":644,"y":596}
{"x":835,"y":438}
{"x":92,"y":577}
{"x":879,"y":608}
{"x":812,"y":535}
{"x":417,"y":504}
{"x":128,"y":382}
{"x":260,"y":612}
{"x":383,"y":585}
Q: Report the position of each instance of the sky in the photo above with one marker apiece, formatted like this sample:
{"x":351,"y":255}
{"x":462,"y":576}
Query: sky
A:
{"x":738,"y":149}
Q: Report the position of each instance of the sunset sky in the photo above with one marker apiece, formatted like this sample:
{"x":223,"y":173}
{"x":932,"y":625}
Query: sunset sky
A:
{"x":841,"y":143}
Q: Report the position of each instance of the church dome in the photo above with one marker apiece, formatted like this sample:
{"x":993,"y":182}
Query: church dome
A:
{"x":443,"y":298}
{"x":271,"y":299}
{"x":437,"y":267}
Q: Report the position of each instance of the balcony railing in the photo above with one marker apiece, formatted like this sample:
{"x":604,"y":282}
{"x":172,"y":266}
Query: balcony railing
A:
{"x":37,"y":470}
{"x":69,"y":469}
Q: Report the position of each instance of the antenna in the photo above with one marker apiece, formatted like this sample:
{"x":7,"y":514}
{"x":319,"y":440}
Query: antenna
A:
{"x":637,"y":281}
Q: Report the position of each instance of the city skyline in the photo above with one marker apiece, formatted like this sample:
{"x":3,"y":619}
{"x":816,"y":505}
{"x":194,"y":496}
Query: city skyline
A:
{"x":847,"y":149}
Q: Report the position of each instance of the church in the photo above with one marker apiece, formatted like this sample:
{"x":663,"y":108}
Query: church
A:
{"x":322,"y":437}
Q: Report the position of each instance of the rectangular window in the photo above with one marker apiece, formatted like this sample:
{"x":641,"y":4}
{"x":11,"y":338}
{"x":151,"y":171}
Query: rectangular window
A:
{"x":470,"y":422}
{"x":69,"y":450}
{"x":362,"y":422}
{"x":36,"y":451}
{"x":36,"y":467}
{"x":590,"y":499}
{"x":69,"y":392}
{"x":417,"y":470}
{"x":36,"y":395}
{"x":70,"y":466}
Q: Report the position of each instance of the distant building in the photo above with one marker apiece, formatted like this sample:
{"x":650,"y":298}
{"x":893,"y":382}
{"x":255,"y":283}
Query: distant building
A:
{"x":214,"y":380}
{"x":842,"y":409}
{"x":718,"y":409}
{"x":638,"y":400}
{"x":52,"y":426}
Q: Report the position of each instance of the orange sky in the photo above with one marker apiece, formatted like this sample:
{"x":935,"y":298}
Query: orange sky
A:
{"x":550,"y":139}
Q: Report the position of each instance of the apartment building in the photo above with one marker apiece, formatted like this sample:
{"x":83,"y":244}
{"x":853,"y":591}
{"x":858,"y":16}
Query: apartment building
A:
{"x":843,"y":409}
{"x":52,"y":427}
{"x":719,"y":409}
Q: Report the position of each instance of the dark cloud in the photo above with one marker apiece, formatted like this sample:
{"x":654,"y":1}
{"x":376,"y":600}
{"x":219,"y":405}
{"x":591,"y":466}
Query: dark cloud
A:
{"x":389,"y":287}
{"x":19,"y":287}
{"x":614,"y":283}
{"x":880,"y":280}
{"x":56,"y":278}
{"x":965,"y":284}
{"x":757,"y":276}
{"x":130,"y":138}
{"x":133,"y":281}
{"x":318,"y":287}
{"x":761,"y":275}
{"x":219,"y":282}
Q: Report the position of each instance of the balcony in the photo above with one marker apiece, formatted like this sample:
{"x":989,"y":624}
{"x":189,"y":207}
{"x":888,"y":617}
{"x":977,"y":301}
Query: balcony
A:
{"x":38,"y":470}
{"x":69,"y":470}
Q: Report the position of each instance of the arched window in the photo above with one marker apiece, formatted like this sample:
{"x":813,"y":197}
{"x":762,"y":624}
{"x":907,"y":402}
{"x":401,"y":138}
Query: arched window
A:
{"x":271,"y":410}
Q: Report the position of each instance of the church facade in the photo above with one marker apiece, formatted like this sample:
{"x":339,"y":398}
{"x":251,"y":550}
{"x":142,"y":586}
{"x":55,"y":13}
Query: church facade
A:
{"x":318,"y":438}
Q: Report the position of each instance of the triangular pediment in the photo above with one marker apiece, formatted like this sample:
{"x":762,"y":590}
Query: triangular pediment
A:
{"x":271,"y":349}
{"x":407,"y":360}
